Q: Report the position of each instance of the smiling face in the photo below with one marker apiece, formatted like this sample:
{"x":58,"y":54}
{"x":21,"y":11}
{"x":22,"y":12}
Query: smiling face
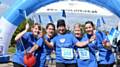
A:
{"x":61,"y":29}
{"x":61,"y":26}
{"x":35,"y":29}
{"x":50,"y":29}
{"x":89,"y":28}
{"x":77,"y":31}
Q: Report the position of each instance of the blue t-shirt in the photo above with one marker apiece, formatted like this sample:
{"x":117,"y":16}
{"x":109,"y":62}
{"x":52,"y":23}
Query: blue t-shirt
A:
{"x":38,"y":53}
{"x":46,"y":49}
{"x":43,"y":52}
{"x":86,"y":54}
{"x":105,"y":56}
{"x":25,"y":43}
{"x":64,"y":48}
{"x":40,"y":43}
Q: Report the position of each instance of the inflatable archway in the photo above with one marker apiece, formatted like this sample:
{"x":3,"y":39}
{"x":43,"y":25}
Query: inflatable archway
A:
{"x":14,"y":16}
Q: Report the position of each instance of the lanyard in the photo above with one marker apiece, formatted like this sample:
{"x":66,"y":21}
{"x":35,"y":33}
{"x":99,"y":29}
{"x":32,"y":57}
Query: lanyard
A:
{"x":23,"y":45}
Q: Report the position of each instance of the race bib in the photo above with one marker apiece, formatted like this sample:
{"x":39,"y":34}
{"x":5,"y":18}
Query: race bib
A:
{"x":83,"y":53}
{"x":67,"y":53}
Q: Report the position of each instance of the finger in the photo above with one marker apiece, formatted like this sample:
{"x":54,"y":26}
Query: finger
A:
{"x":25,"y":52}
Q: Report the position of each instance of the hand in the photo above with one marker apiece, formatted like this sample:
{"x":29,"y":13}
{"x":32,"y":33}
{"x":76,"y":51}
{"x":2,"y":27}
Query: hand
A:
{"x":41,"y":34}
{"x":28,"y":54}
{"x":25,"y":52}
{"x":27,"y":27}
{"x":92,"y":38}
{"x":104,"y":42}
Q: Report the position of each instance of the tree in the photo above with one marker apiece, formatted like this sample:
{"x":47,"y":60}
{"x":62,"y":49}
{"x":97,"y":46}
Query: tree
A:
{"x":20,"y":28}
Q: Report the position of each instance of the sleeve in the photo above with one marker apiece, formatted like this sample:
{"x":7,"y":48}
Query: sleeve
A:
{"x":25,"y":36}
{"x":74,"y":39}
{"x":84,"y":38}
{"x":53,"y":41}
{"x":105,"y":37}
{"x":40,"y":42}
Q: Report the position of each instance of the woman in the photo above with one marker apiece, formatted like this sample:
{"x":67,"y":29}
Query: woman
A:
{"x":78,"y":34}
{"x":44,"y":50}
{"x":106,"y":56}
{"x":64,"y":43}
{"x":101,"y":44}
{"x":25,"y":42}
{"x":86,"y":54}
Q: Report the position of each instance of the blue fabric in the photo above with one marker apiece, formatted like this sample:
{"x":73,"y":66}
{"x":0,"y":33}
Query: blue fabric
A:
{"x":47,"y":50}
{"x":91,"y":62}
{"x":15,"y":17}
{"x":40,"y":42}
{"x":40,"y":59}
{"x":69,"y":42}
{"x":27,"y":40}
{"x":105,"y":56}
{"x":43,"y":52}
{"x":39,"y":55}
{"x":112,"y":5}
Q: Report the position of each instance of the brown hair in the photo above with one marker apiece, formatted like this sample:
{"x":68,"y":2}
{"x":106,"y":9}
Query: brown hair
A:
{"x":90,"y":22}
{"x":51,"y":25}
{"x":36,"y":24}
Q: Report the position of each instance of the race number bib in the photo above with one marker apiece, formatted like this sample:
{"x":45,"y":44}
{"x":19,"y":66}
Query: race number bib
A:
{"x":67,"y":53}
{"x":83,"y":53}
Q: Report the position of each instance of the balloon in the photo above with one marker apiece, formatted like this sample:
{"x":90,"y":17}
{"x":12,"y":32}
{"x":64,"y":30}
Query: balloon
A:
{"x":29,"y":60}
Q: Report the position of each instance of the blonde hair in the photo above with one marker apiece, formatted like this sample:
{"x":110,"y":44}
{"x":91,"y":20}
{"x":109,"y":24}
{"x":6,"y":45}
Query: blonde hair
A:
{"x":80,"y":26}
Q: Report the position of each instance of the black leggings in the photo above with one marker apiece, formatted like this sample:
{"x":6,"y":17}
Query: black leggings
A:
{"x":65,"y":65}
{"x":17,"y":65}
{"x":105,"y":65}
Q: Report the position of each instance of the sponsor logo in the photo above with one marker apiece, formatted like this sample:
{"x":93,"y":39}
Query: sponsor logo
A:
{"x":62,"y":40}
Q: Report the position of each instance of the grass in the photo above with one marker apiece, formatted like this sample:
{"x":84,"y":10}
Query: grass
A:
{"x":11,"y":50}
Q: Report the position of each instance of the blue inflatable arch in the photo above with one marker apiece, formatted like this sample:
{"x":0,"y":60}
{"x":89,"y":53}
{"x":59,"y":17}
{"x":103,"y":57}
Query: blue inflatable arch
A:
{"x":14,"y":16}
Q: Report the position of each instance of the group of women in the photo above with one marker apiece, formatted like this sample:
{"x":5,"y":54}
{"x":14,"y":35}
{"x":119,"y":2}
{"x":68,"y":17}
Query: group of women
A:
{"x":72,"y":49}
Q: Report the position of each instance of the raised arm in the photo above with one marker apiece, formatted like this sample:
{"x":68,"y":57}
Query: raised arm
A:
{"x":36,"y":45}
{"x":34,"y":48}
{"x":22,"y":33}
{"x":82,"y":44}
